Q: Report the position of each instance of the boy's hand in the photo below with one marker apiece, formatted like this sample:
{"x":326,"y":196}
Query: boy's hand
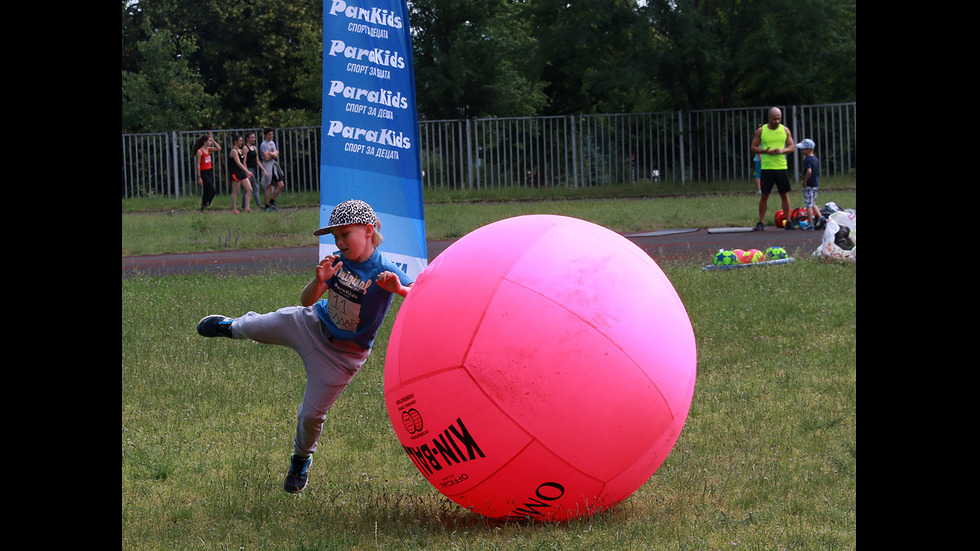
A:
{"x":326,"y":268}
{"x":390,"y":282}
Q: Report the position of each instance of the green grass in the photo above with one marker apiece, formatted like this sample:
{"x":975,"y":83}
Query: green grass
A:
{"x":767,"y":459}
{"x":156,"y":226}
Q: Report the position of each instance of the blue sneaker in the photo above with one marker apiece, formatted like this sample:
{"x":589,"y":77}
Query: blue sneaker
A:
{"x":215,"y":326}
{"x":296,"y":478}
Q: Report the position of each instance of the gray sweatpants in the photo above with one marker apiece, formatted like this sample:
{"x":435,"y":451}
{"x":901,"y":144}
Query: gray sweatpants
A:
{"x":330,"y":365}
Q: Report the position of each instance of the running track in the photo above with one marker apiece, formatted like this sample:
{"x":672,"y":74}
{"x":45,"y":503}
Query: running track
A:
{"x":694,"y":245}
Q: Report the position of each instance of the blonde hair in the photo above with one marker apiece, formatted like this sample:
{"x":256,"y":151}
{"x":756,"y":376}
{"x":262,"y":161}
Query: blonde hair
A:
{"x":377,"y":238}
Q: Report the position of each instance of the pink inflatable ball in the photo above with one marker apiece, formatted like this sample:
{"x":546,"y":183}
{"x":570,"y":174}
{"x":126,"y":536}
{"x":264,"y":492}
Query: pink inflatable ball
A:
{"x":542,"y":367}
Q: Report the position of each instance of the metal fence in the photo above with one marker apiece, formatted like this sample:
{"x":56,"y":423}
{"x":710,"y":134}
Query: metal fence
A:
{"x":163,"y":163}
{"x":572,"y":151}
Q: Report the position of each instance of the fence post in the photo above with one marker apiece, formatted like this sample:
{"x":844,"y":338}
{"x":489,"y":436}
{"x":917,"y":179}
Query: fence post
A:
{"x":469,"y":155}
{"x":174,"y":173}
{"x":796,"y":139}
{"x":680,"y":140}
{"x":574,"y":153}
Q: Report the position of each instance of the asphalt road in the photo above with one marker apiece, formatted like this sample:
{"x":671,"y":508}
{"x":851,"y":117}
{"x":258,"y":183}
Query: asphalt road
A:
{"x":681,"y":244}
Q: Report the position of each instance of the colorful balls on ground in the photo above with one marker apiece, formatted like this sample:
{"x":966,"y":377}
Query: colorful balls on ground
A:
{"x":726,"y":257}
{"x":541,"y":367}
{"x":776,"y":253}
{"x":751,"y":255}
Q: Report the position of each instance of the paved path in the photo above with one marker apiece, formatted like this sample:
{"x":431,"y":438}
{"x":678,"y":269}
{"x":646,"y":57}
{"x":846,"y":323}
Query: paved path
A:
{"x":698,"y":245}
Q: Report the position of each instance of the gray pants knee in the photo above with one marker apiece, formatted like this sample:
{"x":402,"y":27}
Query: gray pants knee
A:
{"x":330,"y":366}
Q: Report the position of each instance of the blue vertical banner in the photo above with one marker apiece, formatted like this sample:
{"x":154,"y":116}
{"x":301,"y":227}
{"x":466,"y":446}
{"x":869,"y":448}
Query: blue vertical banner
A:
{"x":369,"y":136}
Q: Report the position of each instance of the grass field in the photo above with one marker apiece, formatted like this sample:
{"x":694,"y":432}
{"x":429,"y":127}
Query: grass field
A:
{"x":767,"y":459}
{"x":160,"y":225}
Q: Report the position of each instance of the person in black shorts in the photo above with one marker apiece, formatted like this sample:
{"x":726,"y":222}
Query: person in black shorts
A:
{"x":238,"y":173}
{"x":772,"y":142}
{"x":253,"y":166}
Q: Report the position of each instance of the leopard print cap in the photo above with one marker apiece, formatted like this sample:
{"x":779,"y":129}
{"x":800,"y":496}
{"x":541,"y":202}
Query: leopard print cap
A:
{"x":352,"y":211}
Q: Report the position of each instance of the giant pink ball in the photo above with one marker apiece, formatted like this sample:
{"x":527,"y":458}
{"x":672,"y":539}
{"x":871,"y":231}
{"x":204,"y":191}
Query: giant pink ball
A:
{"x":541,"y":367}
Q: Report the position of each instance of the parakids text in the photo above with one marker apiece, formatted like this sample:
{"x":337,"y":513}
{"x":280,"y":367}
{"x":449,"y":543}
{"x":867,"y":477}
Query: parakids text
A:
{"x":384,"y":58}
{"x":383,"y":136}
{"x":374,"y":16}
{"x":380,"y":96}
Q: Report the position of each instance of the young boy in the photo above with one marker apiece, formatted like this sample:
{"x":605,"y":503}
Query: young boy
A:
{"x":333,"y":336}
{"x":810,"y":183}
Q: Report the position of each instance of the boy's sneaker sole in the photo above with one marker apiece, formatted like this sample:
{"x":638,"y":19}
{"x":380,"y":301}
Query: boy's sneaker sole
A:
{"x":215,"y":326}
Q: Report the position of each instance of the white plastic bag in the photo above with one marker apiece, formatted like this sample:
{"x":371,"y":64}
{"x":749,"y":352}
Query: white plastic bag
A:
{"x":839,"y":240}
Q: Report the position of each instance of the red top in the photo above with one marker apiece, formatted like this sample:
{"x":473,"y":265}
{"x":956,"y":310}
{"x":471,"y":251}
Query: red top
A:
{"x":205,"y":158}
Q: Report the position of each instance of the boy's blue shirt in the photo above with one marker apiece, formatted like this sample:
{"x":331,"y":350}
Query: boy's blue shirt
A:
{"x":355,"y":305}
{"x":813,"y":163}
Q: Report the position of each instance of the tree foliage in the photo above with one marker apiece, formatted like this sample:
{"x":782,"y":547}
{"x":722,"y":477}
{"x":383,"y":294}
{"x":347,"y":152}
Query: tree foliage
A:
{"x":235,"y":63}
{"x":165,"y":93}
{"x":471,"y":59}
{"x":730,"y":53}
{"x":262,"y":58}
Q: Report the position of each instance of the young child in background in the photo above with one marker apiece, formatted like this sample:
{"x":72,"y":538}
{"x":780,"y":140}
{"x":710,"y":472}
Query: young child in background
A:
{"x":334,"y":335}
{"x":811,"y":183}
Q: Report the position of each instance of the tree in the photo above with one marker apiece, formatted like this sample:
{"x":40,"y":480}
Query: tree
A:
{"x":728,"y":53}
{"x":165,"y":93}
{"x":590,"y":54}
{"x":471,"y":60}
{"x":251,"y":63}
{"x":262,"y":58}
{"x":269,"y":62}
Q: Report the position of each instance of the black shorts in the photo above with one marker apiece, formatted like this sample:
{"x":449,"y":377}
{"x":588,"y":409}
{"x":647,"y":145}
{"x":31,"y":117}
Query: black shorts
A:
{"x":779,"y":178}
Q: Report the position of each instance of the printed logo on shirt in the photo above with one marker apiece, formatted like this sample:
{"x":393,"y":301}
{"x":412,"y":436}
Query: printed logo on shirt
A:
{"x":344,"y":302}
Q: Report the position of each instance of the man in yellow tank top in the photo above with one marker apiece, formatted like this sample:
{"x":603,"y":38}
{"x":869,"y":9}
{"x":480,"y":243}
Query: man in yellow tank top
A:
{"x":772,"y":142}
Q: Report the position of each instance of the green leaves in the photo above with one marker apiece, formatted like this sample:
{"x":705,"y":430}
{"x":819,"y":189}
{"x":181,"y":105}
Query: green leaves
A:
{"x":235,"y":64}
{"x":166,"y":92}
